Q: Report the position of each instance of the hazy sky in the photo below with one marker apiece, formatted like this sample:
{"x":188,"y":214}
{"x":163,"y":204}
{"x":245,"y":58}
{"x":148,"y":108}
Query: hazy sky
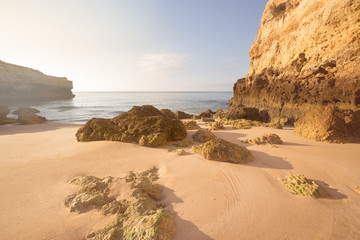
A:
{"x":133,"y":45}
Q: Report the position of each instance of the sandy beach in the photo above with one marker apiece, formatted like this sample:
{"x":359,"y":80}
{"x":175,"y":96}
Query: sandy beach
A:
{"x":211,"y":200}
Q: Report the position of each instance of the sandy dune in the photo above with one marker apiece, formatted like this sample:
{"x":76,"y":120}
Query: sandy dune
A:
{"x":211,"y":200}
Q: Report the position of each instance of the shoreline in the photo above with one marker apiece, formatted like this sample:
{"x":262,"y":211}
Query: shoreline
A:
{"x":222,"y":201}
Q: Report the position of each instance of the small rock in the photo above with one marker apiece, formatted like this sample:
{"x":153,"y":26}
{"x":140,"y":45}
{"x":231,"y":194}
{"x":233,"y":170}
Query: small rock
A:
{"x":223,"y":151}
{"x":191,"y":125}
{"x":203,"y":135}
{"x":265,"y":139}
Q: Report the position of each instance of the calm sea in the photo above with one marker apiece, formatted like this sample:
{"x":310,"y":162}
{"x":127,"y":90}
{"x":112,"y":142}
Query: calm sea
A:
{"x":87,"y":105}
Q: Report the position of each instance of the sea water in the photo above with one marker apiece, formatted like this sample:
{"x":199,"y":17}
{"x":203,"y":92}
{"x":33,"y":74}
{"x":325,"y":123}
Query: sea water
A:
{"x":87,"y":105}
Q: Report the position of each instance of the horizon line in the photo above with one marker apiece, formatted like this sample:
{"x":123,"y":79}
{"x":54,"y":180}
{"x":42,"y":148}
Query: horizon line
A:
{"x":151,"y":91}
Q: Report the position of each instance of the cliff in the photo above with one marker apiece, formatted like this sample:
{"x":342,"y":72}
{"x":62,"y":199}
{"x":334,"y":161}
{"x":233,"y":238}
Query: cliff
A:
{"x":306,"y":53}
{"x":17,"y":83}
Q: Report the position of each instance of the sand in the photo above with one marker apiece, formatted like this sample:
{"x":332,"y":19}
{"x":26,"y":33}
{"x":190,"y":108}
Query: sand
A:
{"x":211,"y":200}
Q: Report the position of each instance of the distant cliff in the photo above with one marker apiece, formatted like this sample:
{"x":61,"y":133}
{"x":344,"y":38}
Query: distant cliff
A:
{"x":21,"y":83}
{"x":306,"y":53}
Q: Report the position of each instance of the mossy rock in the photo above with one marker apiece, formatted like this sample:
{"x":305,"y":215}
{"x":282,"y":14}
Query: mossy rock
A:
{"x":265,"y":139}
{"x":223,"y":151}
{"x":215,"y":126}
{"x":298,"y":184}
{"x":191,"y":125}
{"x":141,"y":216}
{"x":203,"y":135}
{"x":144,"y":125}
{"x":185,"y":143}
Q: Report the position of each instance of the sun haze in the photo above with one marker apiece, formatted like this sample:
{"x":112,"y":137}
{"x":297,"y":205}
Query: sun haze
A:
{"x":128,"y":45}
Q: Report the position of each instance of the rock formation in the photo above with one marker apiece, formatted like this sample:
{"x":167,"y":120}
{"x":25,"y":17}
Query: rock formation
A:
{"x":144,"y":125}
{"x":305,"y":53}
{"x":265,"y":139}
{"x":215,"y":126}
{"x":191,"y":125}
{"x":21,"y":83}
{"x":203,"y":135}
{"x":139,"y":216}
{"x":183,"y":115}
{"x":330,"y":124}
{"x":298,"y":184}
{"x":223,"y":151}
{"x":28,"y":115}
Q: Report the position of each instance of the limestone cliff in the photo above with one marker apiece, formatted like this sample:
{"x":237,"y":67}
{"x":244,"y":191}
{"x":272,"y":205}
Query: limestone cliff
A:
{"x":306,"y":53}
{"x":18,"y":83}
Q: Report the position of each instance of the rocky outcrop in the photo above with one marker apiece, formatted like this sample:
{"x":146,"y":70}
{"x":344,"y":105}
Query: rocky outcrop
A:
{"x":330,"y":124}
{"x":21,"y":83}
{"x":306,"y":53}
{"x":144,"y":125}
{"x":223,"y":151}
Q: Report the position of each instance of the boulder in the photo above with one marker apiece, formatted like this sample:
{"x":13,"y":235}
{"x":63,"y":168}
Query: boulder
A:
{"x":144,"y":125}
{"x":203,"y":135}
{"x":223,"y":151}
{"x":330,"y":124}
{"x":28,"y":117}
{"x":183,"y":115}
{"x":191,"y":125}
{"x":265,"y":139}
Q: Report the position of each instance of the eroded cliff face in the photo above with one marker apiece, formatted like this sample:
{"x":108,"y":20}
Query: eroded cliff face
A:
{"x":17,"y":83}
{"x":306,"y":53}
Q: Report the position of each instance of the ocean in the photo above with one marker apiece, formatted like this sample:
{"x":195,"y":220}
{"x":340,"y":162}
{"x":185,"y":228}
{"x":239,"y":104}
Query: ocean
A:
{"x":87,"y":105}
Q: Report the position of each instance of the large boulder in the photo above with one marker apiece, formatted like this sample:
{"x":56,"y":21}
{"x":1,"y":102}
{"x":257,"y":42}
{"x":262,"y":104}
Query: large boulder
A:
{"x":4,"y":111}
{"x":203,"y":135}
{"x":223,"y":151}
{"x":330,"y":124}
{"x":144,"y":125}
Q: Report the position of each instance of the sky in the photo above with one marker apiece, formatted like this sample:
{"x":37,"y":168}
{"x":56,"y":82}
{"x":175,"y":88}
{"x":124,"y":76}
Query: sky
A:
{"x":133,"y":45}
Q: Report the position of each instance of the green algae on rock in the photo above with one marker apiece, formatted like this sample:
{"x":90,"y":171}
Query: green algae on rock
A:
{"x":298,"y":184}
